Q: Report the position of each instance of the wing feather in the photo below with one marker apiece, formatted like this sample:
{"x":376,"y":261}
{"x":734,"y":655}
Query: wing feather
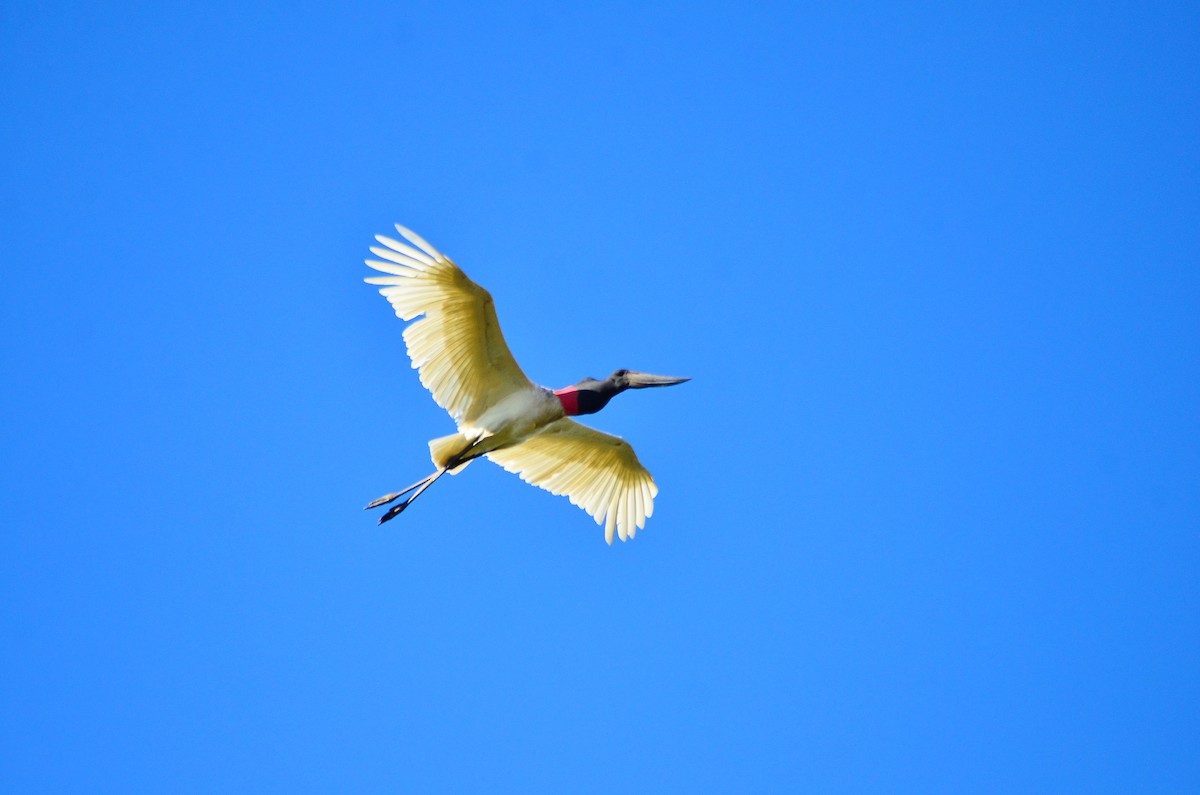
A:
{"x":397,"y":246}
{"x":598,"y":472}
{"x":456,"y":344}
{"x":399,"y":259}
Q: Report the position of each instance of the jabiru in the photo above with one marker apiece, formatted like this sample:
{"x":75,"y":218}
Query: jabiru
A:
{"x":462,"y":359}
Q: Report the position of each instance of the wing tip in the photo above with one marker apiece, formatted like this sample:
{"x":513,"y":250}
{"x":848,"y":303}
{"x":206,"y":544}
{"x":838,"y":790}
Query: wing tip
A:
{"x":418,"y":241}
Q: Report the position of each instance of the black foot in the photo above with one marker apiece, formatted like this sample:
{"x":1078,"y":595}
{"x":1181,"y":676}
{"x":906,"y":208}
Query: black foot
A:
{"x":394,"y":511}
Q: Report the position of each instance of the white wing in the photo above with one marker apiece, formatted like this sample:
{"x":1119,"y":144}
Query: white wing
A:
{"x":457,"y":346}
{"x":598,"y":472}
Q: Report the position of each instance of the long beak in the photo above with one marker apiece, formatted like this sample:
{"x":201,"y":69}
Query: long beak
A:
{"x":642,"y":380}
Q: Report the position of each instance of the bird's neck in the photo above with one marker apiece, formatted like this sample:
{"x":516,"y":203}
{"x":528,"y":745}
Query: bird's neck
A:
{"x":569,"y":397}
{"x":585,"y":399}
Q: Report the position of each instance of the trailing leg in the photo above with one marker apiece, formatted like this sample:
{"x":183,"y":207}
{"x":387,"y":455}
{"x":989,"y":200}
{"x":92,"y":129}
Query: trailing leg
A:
{"x":385,"y":499}
{"x":450,"y":464}
{"x":397,"y":509}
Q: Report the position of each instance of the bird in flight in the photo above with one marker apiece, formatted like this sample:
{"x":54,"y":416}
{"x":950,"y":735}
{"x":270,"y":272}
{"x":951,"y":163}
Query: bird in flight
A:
{"x":462,"y":359}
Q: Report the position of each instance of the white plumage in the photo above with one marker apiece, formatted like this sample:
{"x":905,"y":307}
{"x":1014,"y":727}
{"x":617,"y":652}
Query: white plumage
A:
{"x":598,"y":472}
{"x":455,"y":343}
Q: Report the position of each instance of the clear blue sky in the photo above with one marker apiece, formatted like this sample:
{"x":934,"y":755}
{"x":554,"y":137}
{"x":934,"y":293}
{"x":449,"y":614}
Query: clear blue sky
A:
{"x":929,"y":516}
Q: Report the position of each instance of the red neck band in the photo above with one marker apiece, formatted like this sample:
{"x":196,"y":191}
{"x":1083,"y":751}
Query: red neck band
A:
{"x":569,"y":397}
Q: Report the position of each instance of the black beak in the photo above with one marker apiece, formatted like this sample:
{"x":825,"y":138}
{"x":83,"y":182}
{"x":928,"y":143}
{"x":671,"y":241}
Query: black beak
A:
{"x":638,"y":380}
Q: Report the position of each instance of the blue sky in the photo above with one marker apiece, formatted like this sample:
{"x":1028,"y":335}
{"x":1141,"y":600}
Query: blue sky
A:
{"x":928,"y":518}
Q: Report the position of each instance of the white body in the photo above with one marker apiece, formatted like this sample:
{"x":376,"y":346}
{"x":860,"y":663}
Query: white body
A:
{"x":515,"y":418}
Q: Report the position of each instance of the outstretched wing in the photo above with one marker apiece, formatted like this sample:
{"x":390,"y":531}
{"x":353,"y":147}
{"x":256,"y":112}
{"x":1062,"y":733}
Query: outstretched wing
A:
{"x":457,"y":346}
{"x":598,"y":472}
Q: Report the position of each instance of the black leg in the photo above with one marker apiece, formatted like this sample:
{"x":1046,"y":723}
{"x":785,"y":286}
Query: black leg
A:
{"x":396,"y":510}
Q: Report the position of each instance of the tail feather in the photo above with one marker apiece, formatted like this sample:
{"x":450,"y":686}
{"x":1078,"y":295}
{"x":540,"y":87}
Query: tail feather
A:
{"x":443,"y":450}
